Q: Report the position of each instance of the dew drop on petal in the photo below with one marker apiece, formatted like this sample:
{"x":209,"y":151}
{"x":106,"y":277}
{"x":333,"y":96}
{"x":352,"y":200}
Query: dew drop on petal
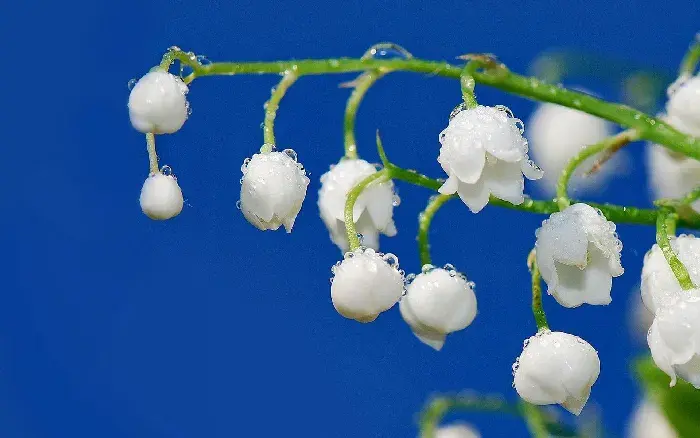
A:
{"x":395,"y":200}
{"x":131,"y":83}
{"x":427,"y":268}
{"x":458,"y":109}
{"x":238,"y":204}
{"x":291,"y":153}
{"x":166,"y":170}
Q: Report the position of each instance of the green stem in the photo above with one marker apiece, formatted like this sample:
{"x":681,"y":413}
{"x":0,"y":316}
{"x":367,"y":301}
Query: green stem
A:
{"x":615,"y":142}
{"x":691,"y":58}
{"x":467,"y":82}
{"x":424,"y":219}
{"x":361,"y":85}
{"x":691,"y":197}
{"x":649,"y":128}
{"x":152,"y":155}
{"x":433,"y":414}
{"x":537,"y":309}
{"x":535,"y":421}
{"x":679,"y":270}
{"x":614,"y":213}
{"x":271,"y":106}
{"x":353,"y":194}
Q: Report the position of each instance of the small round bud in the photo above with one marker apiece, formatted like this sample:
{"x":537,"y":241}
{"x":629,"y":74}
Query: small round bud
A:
{"x":157,"y":103}
{"x":161,"y":197}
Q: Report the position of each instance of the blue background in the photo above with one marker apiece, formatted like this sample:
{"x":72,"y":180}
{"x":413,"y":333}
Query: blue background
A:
{"x":112,"y":325}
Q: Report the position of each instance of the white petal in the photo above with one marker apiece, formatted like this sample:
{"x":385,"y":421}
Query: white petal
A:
{"x":450,"y":186}
{"x":475,"y":196}
{"x":684,"y":104}
{"x":649,"y":422}
{"x":157,"y":103}
{"x":161,"y":197}
{"x":505,"y":181}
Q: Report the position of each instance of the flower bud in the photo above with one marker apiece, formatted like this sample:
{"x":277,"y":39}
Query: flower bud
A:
{"x":659,"y":285}
{"x":649,"y":422}
{"x":456,"y":430}
{"x":365,"y":284}
{"x":161,"y":197}
{"x":684,"y":104}
{"x":373,"y":209}
{"x":157,"y":103}
{"x":674,"y":339}
{"x":438,"y":302}
{"x":273,"y":189}
{"x":578,"y":253}
{"x":556,"y":367}
{"x":483,"y":153}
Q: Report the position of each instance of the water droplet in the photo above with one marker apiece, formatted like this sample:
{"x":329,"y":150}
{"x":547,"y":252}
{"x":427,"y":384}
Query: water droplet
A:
{"x":188,"y":108}
{"x":395,"y":200}
{"x":387,"y":51}
{"x":391,"y":260}
{"x":238,"y":204}
{"x":131,"y":83}
{"x":520,"y":125}
{"x":360,"y":237}
{"x":506,"y":110}
{"x":166,"y":170}
{"x":291,"y":153}
{"x":378,"y":166}
{"x":203,"y":60}
{"x":427,"y":268}
{"x":458,"y":109}
{"x":471,"y":285}
{"x":448,"y":267}
{"x":409,"y":279}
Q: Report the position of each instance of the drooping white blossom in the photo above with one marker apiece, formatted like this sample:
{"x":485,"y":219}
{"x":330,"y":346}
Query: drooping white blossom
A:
{"x":484,"y":153}
{"x":373,"y":210}
{"x":556,"y":367}
{"x":674,"y":339}
{"x":438,"y":301}
{"x":273,"y":189}
{"x":578,"y":253}
{"x":157,"y":103}
{"x":557,"y":133}
{"x":659,"y":285}
{"x":684,"y":104}
{"x":161,"y":197}
{"x":457,"y":430}
{"x":649,"y":422}
{"x":366,"y":283}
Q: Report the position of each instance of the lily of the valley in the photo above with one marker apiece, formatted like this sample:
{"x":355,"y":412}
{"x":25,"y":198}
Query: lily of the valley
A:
{"x":578,"y":253}
{"x":366,"y":283}
{"x":684,"y":104}
{"x":456,"y":430}
{"x":649,"y":422}
{"x":674,"y":339}
{"x":161,"y":197}
{"x":273,"y":189}
{"x":659,"y":285}
{"x":484,"y":153}
{"x":556,"y":368}
{"x":438,"y":302}
{"x":157,"y":103}
{"x":373,"y":210}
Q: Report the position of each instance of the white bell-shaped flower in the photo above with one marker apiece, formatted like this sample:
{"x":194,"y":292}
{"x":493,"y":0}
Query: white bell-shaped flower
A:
{"x":556,"y":367}
{"x":438,"y":301}
{"x":557,"y":133}
{"x":273,"y":188}
{"x":674,"y":339}
{"x":373,"y":210}
{"x":578,"y":253}
{"x":366,"y":283}
{"x":157,"y":103}
{"x":673,"y":175}
{"x":659,"y":285}
{"x":649,"y":422}
{"x":161,"y":197}
{"x":484,"y":153}
{"x":684,"y":104}
{"x":457,"y":430}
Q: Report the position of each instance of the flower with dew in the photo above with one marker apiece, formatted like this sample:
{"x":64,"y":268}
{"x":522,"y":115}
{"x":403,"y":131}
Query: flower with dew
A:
{"x":673,"y":175}
{"x":578,"y":253}
{"x":557,"y":133}
{"x":366,"y":283}
{"x":649,"y":422}
{"x":273,"y":189}
{"x":157,"y":103}
{"x":556,"y":367}
{"x":373,"y":209}
{"x":456,"y":430}
{"x":161,"y":197}
{"x":438,"y":301}
{"x":683,"y":104}
{"x":659,"y":285}
{"x":674,"y":339}
{"x":484,"y":153}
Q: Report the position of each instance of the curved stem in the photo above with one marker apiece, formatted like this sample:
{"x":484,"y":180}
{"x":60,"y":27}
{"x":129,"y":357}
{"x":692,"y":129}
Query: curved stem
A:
{"x":650,"y":128}
{"x":152,"y":155}
{"x":537,"y":309}
{"x":467,"y":82}
{"x":271,"y":107}
{"x":691,"y":58}
{"x":353,"y":194}
{"x":361,"y":85}
{"x":679,"y":270}
{"x":433,"y":414}
{"x":424,"y":219}
{"x":615,"y":142}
